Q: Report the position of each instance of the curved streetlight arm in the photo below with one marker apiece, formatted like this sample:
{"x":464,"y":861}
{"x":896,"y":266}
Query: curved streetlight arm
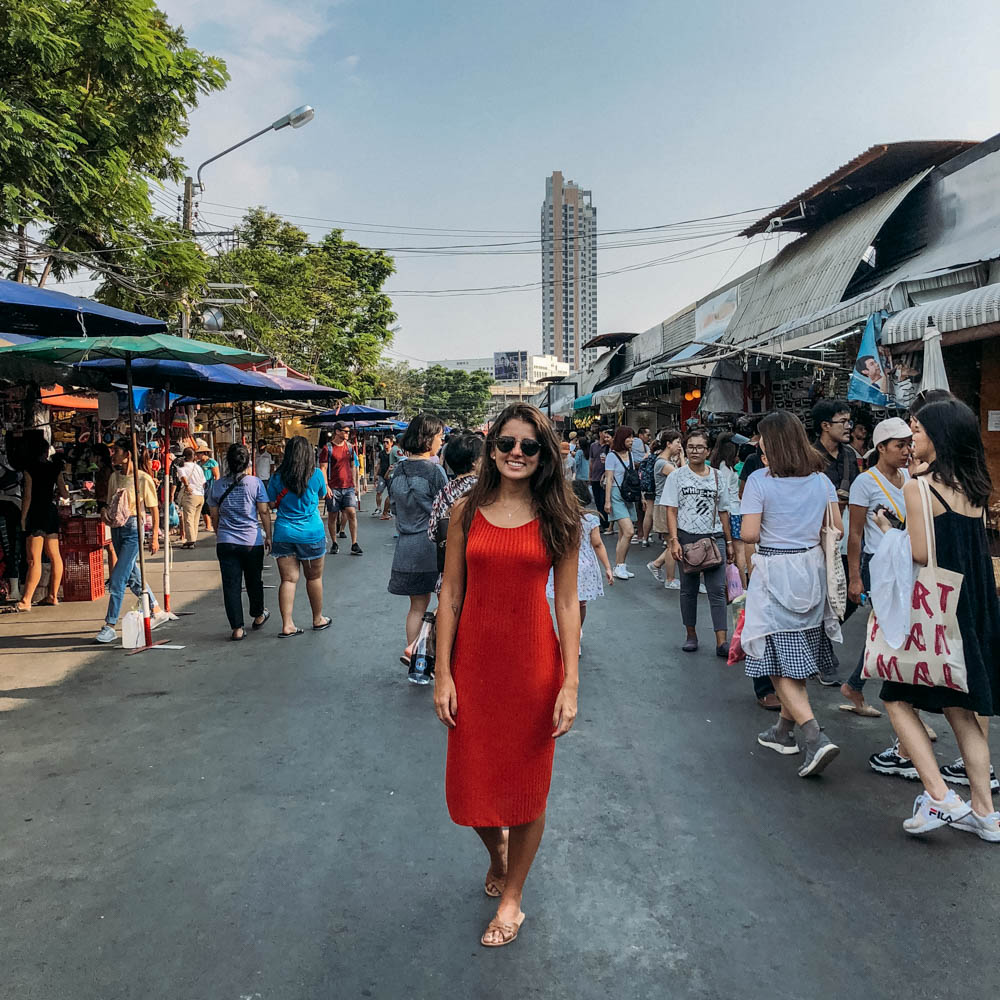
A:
{"x":242,"y":142}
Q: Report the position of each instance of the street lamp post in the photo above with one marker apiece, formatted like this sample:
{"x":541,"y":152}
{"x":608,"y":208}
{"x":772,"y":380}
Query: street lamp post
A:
{"x":295,"y":119}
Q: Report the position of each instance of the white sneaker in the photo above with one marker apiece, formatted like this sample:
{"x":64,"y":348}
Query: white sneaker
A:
{"x":657,"y":572}
{"x":701,"y":589}
{"x":985,"y":827}
{"x":159,"y":617}
{"x":673,"y":584}
{"x":929,"y":814}
{"x":621,"y":573}
{"x":635,"y":540}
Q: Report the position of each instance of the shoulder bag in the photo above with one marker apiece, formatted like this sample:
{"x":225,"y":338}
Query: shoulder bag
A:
{"x":703,"y":554}
{"x":630,"y":487}
{"x":836,"y":578}
{"x":933,"y":654}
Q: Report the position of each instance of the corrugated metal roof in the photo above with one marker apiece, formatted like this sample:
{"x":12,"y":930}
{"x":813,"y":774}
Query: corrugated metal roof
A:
{"x":678,"y":331}
{"x":813,"y":272}
{"x":980,"y":307}
{"x":870,"y":173}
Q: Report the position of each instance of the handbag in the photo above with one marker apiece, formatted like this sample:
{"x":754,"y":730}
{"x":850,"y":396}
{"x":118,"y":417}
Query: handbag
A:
{"x":836,"y":578}
{"x":703,"y":554}
{"x":933,"y":654}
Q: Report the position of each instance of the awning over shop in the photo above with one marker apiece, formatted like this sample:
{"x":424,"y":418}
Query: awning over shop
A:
{"x":813,"y":272}
{"x":582,"y":402}
{"x":979,"y":308}
{"x":57,"y":399}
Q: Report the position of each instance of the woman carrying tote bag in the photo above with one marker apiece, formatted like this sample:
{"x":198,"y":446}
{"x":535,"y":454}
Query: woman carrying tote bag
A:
{"x":946,"y":438}
{"x":789,"y":622}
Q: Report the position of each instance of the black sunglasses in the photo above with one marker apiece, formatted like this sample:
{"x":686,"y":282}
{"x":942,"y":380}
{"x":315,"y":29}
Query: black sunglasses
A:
{"x":529,"y":446}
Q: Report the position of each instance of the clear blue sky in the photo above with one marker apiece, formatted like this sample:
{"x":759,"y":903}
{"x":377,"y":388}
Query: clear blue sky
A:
{"x":452,"y":114}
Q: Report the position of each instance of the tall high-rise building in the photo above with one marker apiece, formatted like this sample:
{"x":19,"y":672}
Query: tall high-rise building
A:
{"x":569,"y":271}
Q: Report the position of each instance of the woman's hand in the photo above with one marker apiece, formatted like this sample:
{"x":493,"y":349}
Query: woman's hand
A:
{"x":609,"y":575}
{"x":883,"y":523}
{"x":267,"y":546}
{"x":676,"y":551}
{"x":445,"y":698}
{"x":730,"y":553}
{"x":154,"y":544}
{"x":564,"y":712}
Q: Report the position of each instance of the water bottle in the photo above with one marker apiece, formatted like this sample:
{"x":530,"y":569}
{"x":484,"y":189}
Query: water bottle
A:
{"x":422,"y":662}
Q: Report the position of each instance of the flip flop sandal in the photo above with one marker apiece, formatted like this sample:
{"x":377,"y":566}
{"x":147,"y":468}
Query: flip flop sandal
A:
{"x":238,"y":638}
{"x":494,"y":886}
{"x":326,"y":624}
{"x":263,"y":621}
{"x":508,"y":932}
{"x":866,"y":710}
{"x":288,"y":635}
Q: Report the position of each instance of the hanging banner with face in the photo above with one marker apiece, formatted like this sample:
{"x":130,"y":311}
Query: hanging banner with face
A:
{"x":870,"y":379}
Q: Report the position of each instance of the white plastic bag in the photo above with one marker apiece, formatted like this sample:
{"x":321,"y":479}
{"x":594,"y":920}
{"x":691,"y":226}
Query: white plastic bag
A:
{"x":133,"y":634}
{"x":893,"y":573}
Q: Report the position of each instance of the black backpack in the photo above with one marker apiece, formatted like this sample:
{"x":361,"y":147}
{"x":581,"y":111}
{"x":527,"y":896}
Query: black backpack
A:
{"x":631,"y":487}
{"x":646,"y":474}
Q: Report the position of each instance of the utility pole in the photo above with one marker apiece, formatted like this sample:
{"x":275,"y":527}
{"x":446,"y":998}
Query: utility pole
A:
{"x":186,"y":214}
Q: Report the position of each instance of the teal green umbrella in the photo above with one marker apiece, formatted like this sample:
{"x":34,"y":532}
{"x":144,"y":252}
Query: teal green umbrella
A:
{"x":47,"y":360}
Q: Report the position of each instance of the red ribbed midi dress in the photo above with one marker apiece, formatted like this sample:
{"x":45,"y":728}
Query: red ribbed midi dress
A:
{"x":508,"y":670}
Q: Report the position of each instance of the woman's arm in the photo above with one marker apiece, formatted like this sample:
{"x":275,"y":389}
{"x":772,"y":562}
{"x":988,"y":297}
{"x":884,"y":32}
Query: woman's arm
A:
{"x":854,"y":539}
{"x":727,"y":534}
{"x":448,"y":613}
{"x":265,"y":519}
{"x":61,"y":487}
{"x":915,"y":521}
{"x":672,"y":539}
{"x":25,"y":500}
{"x":609,"y":481}
{"x":568,"y":620}
{"x":750,"y":528}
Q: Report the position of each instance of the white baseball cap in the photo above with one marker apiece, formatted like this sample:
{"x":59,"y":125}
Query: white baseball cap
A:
{"x":890,"y":430}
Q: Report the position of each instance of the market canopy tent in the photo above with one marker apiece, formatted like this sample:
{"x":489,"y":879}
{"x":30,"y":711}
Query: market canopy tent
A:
{"x":349,"y":414}
{"x":42,"y":358}
{"x":42,"y":311}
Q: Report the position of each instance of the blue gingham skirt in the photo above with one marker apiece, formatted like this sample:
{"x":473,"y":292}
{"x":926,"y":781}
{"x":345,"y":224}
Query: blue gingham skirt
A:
{"x":796,"y":655}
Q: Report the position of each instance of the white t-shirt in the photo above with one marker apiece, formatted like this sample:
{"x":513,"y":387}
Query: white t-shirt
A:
{"x":195,"y":476}
{"x":792,"y":507}
{"x":265,"y":462}
{"x":695,"y":498}
{"x":866,"y":492}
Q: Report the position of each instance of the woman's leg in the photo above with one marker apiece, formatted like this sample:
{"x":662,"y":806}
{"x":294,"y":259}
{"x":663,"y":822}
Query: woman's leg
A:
{"x":418,"y":605}
{"x":252,"y":560}
{"x":522,"y":846}
{"x":625,"y":532}
{"x":912,"y":735}
{"x":647,"y":520}
{"x":232,"y":592}
{"x":34,"y":546}
{"x":975,"y":751}
{"x":288,"y":569}
{"x":689,"y":602}
{"x":51,"y":547}
{"x":715,"y":584}
{"x":496,"y":843}
{"x":794,"y":699}
{"x":583,"y":613}
{"x":313,"y":569}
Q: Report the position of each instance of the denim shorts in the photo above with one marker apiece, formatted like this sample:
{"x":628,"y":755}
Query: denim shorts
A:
{"x":305,"y":551}
{"x":341,"y":500}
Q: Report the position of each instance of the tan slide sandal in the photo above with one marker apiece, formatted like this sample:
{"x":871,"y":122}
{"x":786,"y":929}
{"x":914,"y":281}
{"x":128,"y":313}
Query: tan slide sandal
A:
{"x":865,"y":710}
{"x":508,"y":932}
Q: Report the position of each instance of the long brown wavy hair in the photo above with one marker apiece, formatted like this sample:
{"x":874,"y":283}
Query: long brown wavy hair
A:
{"x":553,"y":500}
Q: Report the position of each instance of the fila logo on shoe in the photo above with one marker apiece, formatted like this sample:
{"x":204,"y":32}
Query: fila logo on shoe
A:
{"x":945,"y":817}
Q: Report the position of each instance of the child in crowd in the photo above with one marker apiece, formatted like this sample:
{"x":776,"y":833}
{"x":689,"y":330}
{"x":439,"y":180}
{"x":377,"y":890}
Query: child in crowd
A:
{"x":593,"y":556}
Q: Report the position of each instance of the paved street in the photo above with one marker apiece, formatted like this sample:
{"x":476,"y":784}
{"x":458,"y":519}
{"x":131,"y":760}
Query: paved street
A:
{"x":267,"y":820}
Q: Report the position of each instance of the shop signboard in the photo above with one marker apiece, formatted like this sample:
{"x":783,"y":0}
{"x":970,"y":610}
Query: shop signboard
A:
{"x":510,"y":366}
{"x":713,"y":315}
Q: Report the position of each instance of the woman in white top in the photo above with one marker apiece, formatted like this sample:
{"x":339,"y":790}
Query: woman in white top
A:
{"x":724,"y":455}
{"x":789,"y":622}
{"x":623,"y":514}
{"x":698,"y":503}
{"x":192,"y":478}
{"x":668,"y":450}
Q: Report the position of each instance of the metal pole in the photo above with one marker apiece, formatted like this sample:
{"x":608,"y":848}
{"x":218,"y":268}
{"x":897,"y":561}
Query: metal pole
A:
{"x":166,"y":500}
{"x":140,"y":516}
{"x":243,"y":434}
{"x":253,"y":438}
{"x":186,"y":224}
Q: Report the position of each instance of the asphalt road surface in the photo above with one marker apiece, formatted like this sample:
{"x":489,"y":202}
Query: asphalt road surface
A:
{"x":267,"y":820}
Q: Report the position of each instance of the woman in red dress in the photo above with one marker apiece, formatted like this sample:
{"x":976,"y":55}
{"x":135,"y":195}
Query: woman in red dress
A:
{"x":504,"y":684}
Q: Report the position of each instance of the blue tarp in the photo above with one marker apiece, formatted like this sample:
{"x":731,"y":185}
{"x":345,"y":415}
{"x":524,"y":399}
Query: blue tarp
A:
{"x":42,"y":311}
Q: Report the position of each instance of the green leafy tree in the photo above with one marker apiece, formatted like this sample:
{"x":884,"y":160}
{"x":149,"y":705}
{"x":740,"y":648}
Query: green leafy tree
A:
{"x":94,"y":96}
{"x":460,"y":398}
{"x":319,"y":306}
{"x":401,"y":386}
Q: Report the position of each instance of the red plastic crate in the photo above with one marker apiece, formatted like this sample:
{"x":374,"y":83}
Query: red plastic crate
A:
{"x":84,"y":533}
{"x":83,"y":575}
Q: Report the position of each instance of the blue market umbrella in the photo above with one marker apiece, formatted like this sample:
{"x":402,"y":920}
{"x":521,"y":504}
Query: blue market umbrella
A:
{"x":350,"y":414}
